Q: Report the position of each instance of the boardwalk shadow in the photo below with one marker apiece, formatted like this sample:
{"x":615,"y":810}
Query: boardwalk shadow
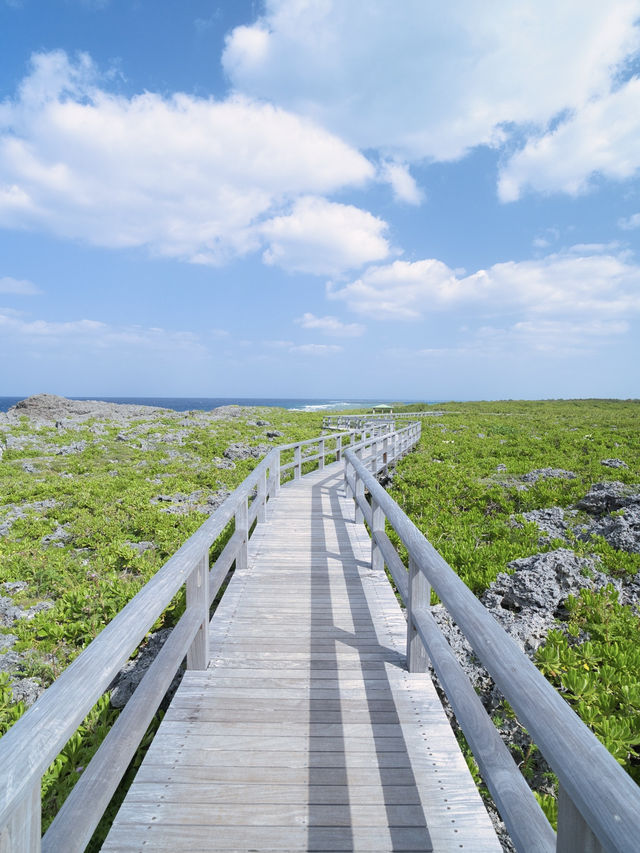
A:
{"x":356,"y":773}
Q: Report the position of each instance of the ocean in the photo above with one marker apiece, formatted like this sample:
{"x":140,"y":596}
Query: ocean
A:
{"x":185,"y":404}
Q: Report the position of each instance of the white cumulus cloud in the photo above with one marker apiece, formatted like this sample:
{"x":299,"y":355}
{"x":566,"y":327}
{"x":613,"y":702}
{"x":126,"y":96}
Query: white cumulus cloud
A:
{"x":402,"y":183}
{"x":95,"y":335}
{"x":601,"y":139}
{"x":20,"y":287}
{"x":322,"y":237}
{"x":316,"y":349}
{"x":432,"y":80}
{"x":630,"y":222}
{"x":604,"y":285}
{"x":331,"y":326}
{"x":187,"y":177}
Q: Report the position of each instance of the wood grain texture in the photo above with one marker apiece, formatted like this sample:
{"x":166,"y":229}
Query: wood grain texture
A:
{"x":306,"y":732}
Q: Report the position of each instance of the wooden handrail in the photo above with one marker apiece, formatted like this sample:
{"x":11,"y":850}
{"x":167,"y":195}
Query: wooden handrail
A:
{"x":32,"y":743}
{"x":600,"y":803}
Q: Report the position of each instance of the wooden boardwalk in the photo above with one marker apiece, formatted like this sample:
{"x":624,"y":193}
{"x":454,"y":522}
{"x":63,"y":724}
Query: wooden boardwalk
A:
{"x":306,"y":732}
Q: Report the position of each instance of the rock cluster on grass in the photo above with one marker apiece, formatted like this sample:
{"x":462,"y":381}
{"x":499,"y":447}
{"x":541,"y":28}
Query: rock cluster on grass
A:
{"x":548,"y":474}
{"x":12,"y":512}
{"x":527,"y":604}
{"x":612,"y":510}
{"x":24,"y":689}
{"x":161,"y":429}
{"x":613,"y":463}
{"x":552,"y":522}
{"x":240,"y":450}
{"x":181,"y":504}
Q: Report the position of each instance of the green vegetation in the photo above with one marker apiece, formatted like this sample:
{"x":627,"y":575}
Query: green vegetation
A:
{"x":463,"y":487}
{"x":105,"y":533}
{"x":600,"y":676}
{"x":110,"y":534}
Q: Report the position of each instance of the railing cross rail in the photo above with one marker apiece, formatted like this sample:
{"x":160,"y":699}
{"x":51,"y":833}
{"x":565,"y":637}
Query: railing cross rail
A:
{"x":599,"y":804}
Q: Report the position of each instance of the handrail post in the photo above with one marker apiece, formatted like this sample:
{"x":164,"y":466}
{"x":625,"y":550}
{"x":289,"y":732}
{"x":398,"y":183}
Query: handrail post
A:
{"x":338,"y":448}
{"x":419,"y":598}
{"x":297,"y":457}
{"x":321,"y":451}
{"x":274,"y":475}
{"x":242,"y":526}
{"x":22,"y":833}
{"x":261,"y":496}
{"x":198,"y":598}
{"x":347,"y":487}
{"x":377,"y":524}
{"x":574,"y":834}
{"x":359,"y":515}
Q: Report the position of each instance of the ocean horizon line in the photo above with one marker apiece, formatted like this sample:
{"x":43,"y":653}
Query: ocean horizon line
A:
{"x":185,"y":404}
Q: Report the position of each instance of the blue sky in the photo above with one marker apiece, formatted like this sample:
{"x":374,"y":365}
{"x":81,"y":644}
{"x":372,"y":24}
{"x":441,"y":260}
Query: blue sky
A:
{"x":319,"y":198}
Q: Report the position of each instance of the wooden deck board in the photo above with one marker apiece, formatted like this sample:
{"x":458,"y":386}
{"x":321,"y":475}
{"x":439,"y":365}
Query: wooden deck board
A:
{"x":306,"y":732}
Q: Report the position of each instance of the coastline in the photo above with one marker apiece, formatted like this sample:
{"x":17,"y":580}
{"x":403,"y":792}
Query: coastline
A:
{"x":206,"y":404}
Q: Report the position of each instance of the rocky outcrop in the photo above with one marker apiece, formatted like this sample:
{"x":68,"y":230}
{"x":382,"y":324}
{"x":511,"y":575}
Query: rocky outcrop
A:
{"x":527,"y":603}
{"x":609,"y":496}
{"x":181,"y":504}
{"x":24,"y":689}
{"x":240,"y":450}
{"x":548,"y":474}
{"x":620,"y":531}
{"x":12,"y":512}
{"x":49,"y":408}
{"x":613,"y":512}
{"x":552,"y":522}
{"x":613,"y":463}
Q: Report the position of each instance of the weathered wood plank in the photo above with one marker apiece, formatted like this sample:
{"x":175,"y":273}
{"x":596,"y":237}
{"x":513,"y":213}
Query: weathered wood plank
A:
{"x":297,"y":737}
{"x":274,"y":814}
{"x":170,"y":836}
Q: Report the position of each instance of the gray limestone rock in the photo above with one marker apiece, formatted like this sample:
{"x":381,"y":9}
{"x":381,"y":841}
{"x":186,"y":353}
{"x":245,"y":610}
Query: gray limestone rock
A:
{"x":49,"y":408}
{"x":527,"y":603}
{"x":7,"y":641}
{"x":613,"y":463}
{"x":26,"y":690}
{"x":603,"y":498}
{"x":141,"y":547}
{"x":181,"y":504}
{"x":551,"y":521}
{"x":12,"y":512}
{"x":13,"y":586}
{"x":125,"y":683}
{"x":240,"y":450}
{"x":548,"y":474}
{"x":219,"y":462}
{"x":620,"y":531}
{"x":58,"y":538}
{"x":9,"y":612}
{"x":70,"y":449}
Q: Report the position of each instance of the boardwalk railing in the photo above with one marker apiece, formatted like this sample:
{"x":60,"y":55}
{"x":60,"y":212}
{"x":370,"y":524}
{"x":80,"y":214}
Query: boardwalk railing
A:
{"x":358,"y":421}
{"x":34,"y":741}
{"x":599,"y":804}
